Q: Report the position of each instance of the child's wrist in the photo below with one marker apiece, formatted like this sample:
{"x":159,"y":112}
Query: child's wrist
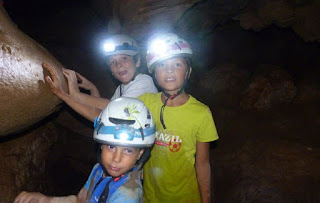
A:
{"x":62,"y":95}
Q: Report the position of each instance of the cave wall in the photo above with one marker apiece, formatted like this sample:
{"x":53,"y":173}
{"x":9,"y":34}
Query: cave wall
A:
{"x":24,"y":97}
{"x":302,"y":16}
{"x":24,"y":159}
{"x":201,"y":17}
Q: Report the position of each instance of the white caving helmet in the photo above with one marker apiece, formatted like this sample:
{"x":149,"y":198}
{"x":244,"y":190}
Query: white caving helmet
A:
{"x":125,"y":122}
{"x":120,"y":44}
{"x":164,"y":46}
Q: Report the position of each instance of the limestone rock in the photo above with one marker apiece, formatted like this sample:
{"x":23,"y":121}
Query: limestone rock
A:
{"x":25,"y":162}
{"x":308,"y":88}
{"x":303,"y":16}
{"x":24,"y":97}
{"x":269,"y":86}
{"x":205,"y":16}
{"x":226,"y":83}
{"x":142,"y":18}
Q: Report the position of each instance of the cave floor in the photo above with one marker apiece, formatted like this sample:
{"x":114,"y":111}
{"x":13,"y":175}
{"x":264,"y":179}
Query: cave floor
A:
{"x":271,"y":156}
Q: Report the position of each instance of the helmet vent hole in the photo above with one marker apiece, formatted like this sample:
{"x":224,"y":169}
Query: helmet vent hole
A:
{"x":121,"y":121}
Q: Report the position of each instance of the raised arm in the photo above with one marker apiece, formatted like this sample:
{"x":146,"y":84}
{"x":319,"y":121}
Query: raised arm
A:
{"x":203,"y":170}
{"x":87,"y":111}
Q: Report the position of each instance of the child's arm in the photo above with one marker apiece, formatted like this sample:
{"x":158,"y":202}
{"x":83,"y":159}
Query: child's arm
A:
{"x":26,"y":197}
{"x":203,"y":170}
{"x":88,"y":111}
{"x":95,"y":102}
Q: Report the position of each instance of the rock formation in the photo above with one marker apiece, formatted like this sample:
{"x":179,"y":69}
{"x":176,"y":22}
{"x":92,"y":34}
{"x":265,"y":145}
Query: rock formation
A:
{"x":24,"y":97}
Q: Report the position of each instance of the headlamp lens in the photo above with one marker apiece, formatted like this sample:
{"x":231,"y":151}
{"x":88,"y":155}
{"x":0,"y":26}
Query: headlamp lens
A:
{"x":124,"y":133}
{"x":158,"y":47}
{"x":109,"y":47}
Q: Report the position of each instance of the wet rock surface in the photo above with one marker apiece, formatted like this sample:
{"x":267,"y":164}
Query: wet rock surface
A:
{"x":24,"y":97}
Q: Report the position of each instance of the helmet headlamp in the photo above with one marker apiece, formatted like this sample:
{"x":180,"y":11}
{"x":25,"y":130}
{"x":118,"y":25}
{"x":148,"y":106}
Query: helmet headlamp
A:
{"x":125,"y":122}
{"x":158,"y":46}
{"x":120,"y":44}
{"x":109,"y":47}
{"x":165,"y":46}
{"x":124,"y":133}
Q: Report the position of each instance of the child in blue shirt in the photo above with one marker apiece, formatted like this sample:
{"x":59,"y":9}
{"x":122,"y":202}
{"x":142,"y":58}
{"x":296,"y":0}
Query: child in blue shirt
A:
{"x":124,"y":132}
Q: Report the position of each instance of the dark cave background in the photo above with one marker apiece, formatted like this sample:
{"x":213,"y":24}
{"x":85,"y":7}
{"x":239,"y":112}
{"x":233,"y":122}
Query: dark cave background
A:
{"x":266,"y":153}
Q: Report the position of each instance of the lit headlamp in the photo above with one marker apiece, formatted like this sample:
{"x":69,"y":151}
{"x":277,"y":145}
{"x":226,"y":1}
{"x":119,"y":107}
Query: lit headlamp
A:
{"x":124,"y":133}
{"x":120,"y":132}
{"x":158,"y":47}
{"x":111,"y":47}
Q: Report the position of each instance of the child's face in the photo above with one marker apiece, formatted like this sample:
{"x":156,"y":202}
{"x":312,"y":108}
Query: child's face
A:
{"x":171,"y":74}
{"x":118,"y":160}
{"x":123,"y":67}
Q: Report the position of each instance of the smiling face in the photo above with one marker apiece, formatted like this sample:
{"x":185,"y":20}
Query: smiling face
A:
{"x":171,"y":74}
{"x":123,"y":67}
{"x":118,"y":160}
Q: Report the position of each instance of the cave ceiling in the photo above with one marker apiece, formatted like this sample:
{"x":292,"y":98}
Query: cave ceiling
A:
{"x":140,"y":18}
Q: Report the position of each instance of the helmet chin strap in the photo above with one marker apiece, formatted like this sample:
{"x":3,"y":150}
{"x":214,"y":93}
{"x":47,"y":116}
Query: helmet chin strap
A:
{"x":172,"y":96}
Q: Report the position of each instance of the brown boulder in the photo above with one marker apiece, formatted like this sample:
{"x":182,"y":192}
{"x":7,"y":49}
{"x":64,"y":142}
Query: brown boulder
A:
{"x":142,"y":18}
{"x":269,"y":86}
{"x":226,"y":83}
{"x":25,"y":161}
{"x":24,"y":97}
{"x":303,"y":16}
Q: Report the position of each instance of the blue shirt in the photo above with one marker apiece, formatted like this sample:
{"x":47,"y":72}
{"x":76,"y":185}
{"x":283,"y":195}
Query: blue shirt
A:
{"x":127,"y":189}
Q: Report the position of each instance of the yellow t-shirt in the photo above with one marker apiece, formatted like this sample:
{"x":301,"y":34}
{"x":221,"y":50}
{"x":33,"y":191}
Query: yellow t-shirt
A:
{"x":169,"y":175}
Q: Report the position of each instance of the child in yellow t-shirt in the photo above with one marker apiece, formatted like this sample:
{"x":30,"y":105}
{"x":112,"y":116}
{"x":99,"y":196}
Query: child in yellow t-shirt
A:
{"x":179,"y":167}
